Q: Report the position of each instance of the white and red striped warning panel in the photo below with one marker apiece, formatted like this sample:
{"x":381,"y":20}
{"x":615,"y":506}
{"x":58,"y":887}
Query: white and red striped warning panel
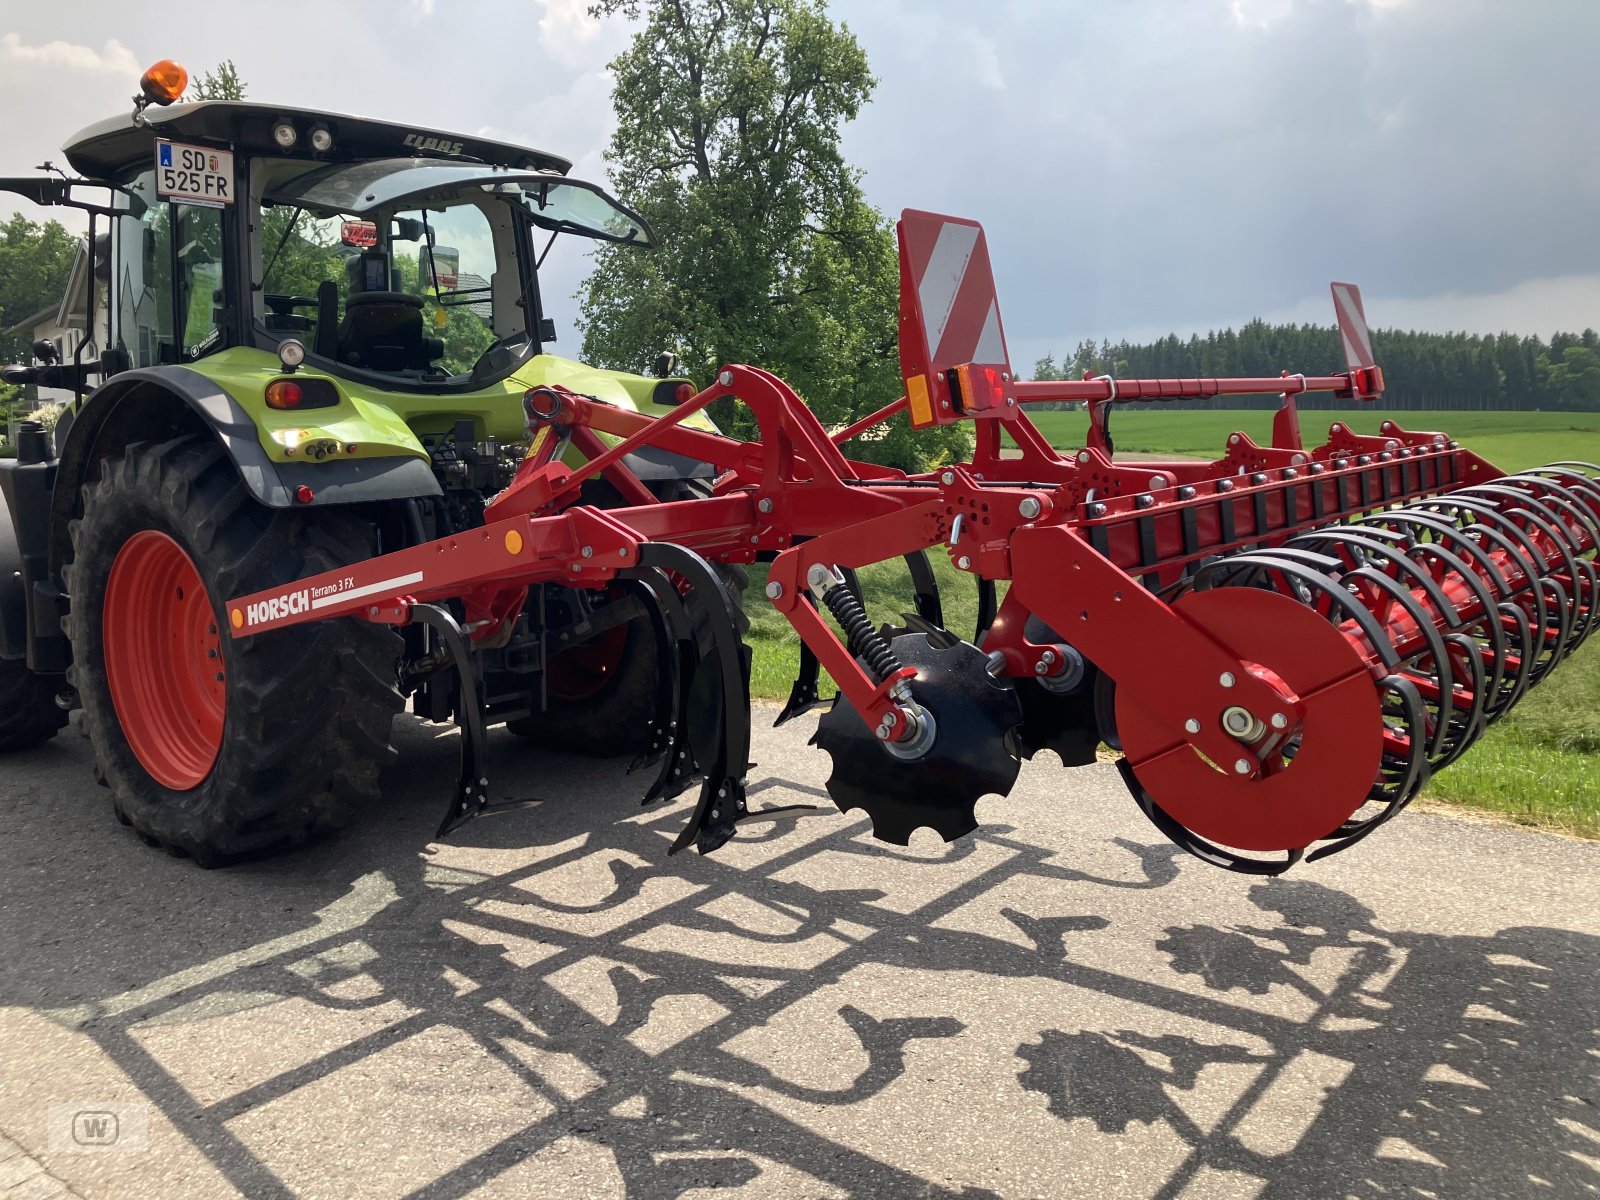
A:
{"x":952,"y":344}
{"x":1353,"y":329}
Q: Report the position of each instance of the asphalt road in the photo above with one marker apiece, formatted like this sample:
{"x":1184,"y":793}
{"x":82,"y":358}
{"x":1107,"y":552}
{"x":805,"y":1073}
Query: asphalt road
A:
{"x":548,"y":1006}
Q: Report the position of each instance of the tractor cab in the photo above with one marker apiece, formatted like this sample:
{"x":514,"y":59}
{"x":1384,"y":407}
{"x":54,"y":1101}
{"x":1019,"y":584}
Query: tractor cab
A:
{"x":420,"y":270}
{"x":399,"y":258}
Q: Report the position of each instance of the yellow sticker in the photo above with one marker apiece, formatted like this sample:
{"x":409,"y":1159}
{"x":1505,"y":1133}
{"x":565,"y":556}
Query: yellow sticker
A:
{"x":539,"y":439}
{"x":917,"y":395}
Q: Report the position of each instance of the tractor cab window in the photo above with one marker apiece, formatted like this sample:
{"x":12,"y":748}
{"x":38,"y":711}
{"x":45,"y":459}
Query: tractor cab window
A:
{"x":167,"y":277}
{"x":408,"y":292}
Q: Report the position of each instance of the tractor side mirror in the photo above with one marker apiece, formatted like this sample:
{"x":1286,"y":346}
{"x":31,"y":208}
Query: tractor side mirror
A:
{"x":547,"y":329}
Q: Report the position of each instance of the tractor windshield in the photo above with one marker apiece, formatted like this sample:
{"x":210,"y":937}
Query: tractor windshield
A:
{"x":416,"y":268}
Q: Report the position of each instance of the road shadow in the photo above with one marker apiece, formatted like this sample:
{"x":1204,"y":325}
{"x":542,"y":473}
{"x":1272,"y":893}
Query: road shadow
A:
{"x":633,"y":1000}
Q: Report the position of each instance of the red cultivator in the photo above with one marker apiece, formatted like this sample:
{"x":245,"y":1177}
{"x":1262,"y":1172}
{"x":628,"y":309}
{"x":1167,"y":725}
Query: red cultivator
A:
{"x":1285,"y":643}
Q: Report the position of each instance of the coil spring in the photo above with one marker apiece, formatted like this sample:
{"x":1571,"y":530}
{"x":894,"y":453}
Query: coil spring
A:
{"x":1460,"y":602}
{"x":870,"y":645}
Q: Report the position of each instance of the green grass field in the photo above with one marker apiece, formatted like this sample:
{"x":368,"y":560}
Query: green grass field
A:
{"x":1540,"y":766}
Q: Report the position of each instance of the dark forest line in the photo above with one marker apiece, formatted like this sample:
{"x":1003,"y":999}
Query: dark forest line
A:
{"x":1421,"y":370}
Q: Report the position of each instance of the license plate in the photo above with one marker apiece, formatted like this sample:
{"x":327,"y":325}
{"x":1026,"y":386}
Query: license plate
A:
{"x":194,"y":174}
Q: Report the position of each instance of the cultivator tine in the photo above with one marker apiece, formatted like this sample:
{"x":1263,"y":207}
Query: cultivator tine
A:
{"x":472,"y":781}
{"x":804,"y":694}
{"x":719,"y":672}
{"x":664,"y":746}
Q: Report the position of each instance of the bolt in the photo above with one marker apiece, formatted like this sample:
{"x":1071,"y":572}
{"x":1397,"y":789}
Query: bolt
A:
{"x":588,"y":551}
{"x":1258,"y":478}
{"x":1242,"y":766}
{"x":1337,"y":429}
{"x":1290,"y":473}
{"x":891,"y":719}
{"x":1279,"y":721}
{"x":1005,"y":376}
{"x":373,"y":611}
{"x":211,"y":629}
{"x":577,"y":566}
{"x":1298,"y":459}
{"x":764,"y":505}
{"x":622,"y":552}
{"x":883,"y":733}
{"x":1237,"y":721}
{"x":1186,"y":493}
{"x":1385,"y":457}
{"x":1339,"y":464}
{"x":716,"y":814}
{"x":755,"y":540}
{"x":1029,"y":507}
{"x":947,"y":478}
{"x":1318,"y":468}
{"x":1083,"y":456}
{"x":1041,"y":667}
{"x":1144,"y":500}
{"x":1011,"y":401}
{"x":964,"y":563}
{"x":1049,"y":656}
{"x":1097,"y":510}
{"x":1157,"y":482}
{"x":997,"y":662}
{"x":1192,"y":725}
{"x":219,"y":676}
{"x":774,"y":590}
{"x":1224,"y":485}
{"x":726,"y":379}
{"x":211,"y":653}
{"x":1227,"y":679}
{"x":1233,"y":439}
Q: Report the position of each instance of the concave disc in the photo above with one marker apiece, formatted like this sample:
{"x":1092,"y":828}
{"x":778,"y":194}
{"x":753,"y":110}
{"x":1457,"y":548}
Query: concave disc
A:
{"x":1295,"y":801}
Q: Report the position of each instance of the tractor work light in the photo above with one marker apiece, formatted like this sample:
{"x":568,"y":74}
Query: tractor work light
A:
{"x":291,"y":353}
{"x":285,"y":135}
{"x":164,"y":82}
{"x":321,"y":138}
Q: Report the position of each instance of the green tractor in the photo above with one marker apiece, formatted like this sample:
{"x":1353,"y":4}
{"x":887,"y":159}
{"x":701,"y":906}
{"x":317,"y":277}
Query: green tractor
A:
{"x":307,"y":341}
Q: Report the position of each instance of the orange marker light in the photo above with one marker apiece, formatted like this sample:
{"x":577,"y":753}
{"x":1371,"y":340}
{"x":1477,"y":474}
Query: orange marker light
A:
{"x":513,"y":542}
{"x":237,"y":617}
{"x":164,"y":82}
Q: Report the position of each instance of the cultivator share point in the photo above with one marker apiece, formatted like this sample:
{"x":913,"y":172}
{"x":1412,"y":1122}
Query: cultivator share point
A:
{"x":317,"y":460}
{"x":1285,"y":643}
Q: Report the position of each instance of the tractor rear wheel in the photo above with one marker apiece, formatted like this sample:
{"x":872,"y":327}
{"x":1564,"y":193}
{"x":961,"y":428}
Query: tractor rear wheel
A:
{"x":29,"y":714}
{"x":216,"y":747}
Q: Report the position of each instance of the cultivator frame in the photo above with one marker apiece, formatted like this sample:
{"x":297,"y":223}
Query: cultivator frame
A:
{"x":1284,"y":642}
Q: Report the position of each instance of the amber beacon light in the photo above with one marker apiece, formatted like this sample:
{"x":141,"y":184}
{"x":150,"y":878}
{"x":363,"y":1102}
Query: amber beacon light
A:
{"x":164,"y":82}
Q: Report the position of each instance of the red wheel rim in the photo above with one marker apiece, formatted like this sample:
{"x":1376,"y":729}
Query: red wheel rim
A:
{"x":164,"y":660}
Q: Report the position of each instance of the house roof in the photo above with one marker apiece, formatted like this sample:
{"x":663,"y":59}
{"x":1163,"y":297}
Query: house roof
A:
{"x":29,"y":324}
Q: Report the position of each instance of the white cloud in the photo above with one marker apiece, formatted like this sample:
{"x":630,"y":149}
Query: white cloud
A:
{"x":113,"y":57}
{"x":567,"y":32}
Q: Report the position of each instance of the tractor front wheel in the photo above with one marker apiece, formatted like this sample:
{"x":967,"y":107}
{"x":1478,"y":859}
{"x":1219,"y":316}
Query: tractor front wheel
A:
{"x":216,"y":747}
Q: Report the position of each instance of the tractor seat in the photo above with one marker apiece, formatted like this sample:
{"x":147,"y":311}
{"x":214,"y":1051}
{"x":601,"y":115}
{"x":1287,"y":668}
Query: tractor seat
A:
{"x":382,"y":331}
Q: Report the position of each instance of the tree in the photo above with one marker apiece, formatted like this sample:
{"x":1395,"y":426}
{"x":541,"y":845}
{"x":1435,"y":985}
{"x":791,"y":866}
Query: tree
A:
{"x":728,"y":123}
{"x":220,"y":83}
{"x":35,"y":261}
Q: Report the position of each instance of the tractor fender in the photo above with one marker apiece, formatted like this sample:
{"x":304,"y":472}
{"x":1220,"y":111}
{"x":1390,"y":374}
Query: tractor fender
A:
{"x":118,"y":412}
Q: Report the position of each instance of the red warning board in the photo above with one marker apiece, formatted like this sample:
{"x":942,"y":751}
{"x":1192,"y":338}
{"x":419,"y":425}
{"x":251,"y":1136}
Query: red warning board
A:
{"x":952,"y":343}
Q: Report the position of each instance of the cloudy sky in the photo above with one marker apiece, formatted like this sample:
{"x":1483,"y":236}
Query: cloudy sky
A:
{"x":1140,"y":165}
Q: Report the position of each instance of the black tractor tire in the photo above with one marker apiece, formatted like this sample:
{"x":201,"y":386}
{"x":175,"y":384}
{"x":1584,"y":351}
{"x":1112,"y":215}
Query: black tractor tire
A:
{"x":615,"y":720}
{"x":29,"y":714}
{"x":305,"y":711}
